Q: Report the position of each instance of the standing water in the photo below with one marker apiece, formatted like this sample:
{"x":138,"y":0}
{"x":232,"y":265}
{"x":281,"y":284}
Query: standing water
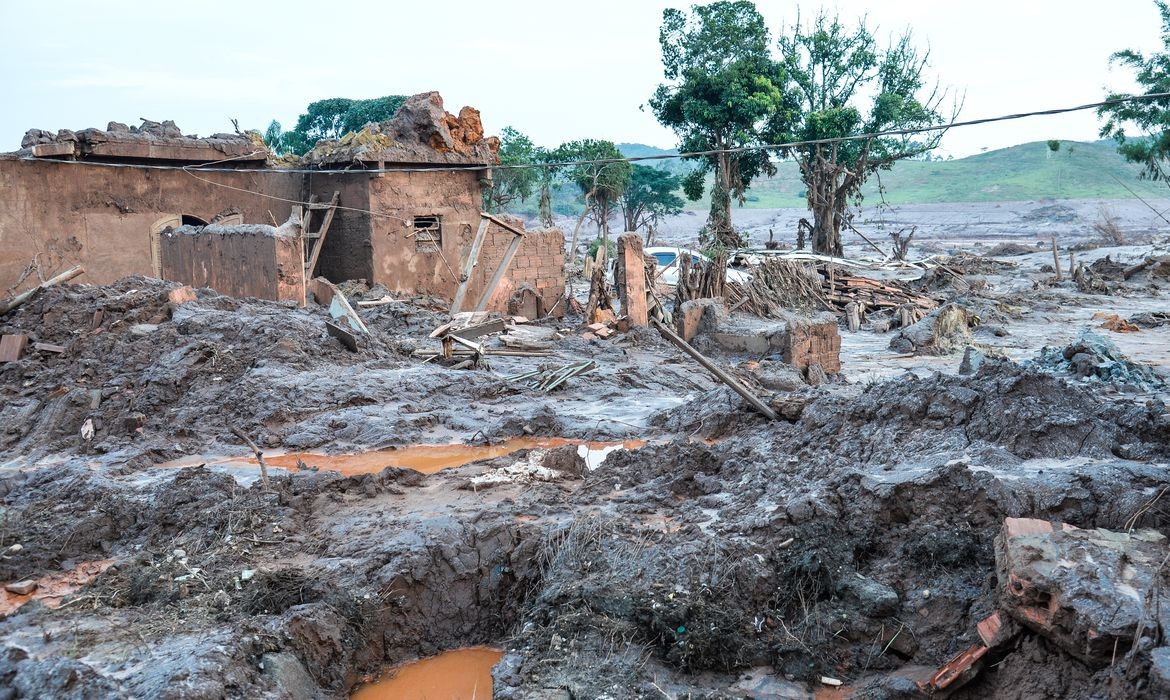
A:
{"x":459,"y":674}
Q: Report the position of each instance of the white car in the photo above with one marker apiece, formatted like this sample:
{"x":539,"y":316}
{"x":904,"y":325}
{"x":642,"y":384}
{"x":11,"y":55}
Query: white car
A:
{"x":667,"y":257}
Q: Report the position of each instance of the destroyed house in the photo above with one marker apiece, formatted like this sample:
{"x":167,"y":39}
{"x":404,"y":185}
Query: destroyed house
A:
{"x":398,"y":203}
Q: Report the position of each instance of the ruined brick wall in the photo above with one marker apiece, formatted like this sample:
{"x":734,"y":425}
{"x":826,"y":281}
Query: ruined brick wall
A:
{"x":814,"y":340}
{"x":539,"y":265}
{"x":64,"y":214}
{"x":404,"y":262}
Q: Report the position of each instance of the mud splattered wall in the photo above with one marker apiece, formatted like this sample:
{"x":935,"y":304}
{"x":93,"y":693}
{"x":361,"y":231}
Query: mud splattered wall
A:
{"x":426,"y":224}
{"x":105,"y":218}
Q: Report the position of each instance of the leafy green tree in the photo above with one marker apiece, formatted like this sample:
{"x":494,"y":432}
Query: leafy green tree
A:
{"x":847,"y":85}
{"x":513,"y":184}
{"x":377,"y":109}
{"x":649,"y":197}
{"x":330,"y":119}
{"x":722,"y":87}
{"x":1150,"y":146}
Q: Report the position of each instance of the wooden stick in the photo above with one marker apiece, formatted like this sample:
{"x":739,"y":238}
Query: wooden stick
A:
{"x":1056,"y":259}
{"x":25,"y":296}
{"x":713,"y":369}
{"x":469,"y":266}
{"x":259,"y":455}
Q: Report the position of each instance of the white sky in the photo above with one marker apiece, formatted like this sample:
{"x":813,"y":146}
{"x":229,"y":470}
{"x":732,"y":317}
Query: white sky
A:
{"x":555,"y":70}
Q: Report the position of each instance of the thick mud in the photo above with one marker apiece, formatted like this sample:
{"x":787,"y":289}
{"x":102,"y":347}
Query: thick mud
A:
{"x":846,"y":550}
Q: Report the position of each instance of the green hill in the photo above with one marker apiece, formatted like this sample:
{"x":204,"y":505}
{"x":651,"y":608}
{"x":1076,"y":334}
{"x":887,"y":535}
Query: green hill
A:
{"x":1079,"y":170}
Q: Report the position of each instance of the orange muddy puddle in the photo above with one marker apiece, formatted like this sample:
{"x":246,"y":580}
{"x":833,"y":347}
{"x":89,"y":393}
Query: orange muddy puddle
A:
{"x":52,"y":588}
{"x":460,"y":674}
{"x":427,"y":459}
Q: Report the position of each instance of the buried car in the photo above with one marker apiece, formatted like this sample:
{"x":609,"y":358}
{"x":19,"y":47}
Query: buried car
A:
{"x":668,"y":256}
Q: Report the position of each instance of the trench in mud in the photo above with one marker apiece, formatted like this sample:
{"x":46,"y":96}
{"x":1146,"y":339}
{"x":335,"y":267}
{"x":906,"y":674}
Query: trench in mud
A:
{"x":426,"y":459}
{"x":460,"y":673}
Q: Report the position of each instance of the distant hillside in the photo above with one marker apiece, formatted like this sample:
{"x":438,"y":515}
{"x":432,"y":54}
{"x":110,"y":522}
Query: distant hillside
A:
{"x":678,"y":166}
{"x":1079,"y":170}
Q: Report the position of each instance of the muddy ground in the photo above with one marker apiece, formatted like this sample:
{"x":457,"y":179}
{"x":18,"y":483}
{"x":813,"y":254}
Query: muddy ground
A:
{"x":730,"y":557}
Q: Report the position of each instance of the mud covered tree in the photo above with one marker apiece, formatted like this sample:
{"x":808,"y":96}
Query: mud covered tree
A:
{"x":651,"y":195}
{"x":601,"y":183}
{"x":846,"y":84}
{"x":513,"y":184}
{"x":722,"y":88}
{"x":1141,"y":128}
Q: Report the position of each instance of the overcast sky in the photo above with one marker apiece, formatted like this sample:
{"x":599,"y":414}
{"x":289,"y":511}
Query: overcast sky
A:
{"x":556,"y":71}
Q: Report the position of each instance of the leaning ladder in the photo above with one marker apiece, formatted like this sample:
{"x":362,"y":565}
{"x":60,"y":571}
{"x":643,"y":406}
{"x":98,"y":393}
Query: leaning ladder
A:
{"x":316,"y":238}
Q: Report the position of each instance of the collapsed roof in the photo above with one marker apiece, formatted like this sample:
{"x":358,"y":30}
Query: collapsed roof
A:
{"x":421,"y":131}
{"x":151,"y":141}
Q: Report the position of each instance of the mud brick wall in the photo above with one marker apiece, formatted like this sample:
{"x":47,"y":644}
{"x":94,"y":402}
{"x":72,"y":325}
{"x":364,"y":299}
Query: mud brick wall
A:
{"x":107,"y":219}
{"x":403,"y":262}
{"x":539,"y":264}
{"x":240,"y":261}
{"x":811,"y":341}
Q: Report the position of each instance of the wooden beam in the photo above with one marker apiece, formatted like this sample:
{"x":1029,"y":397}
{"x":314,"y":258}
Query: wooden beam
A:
{"x":469,"y":266}
{"x":503,"y":224}
{"x":44,"y":150}
{"x":714,"y":369}
{"x":500,"y":271}
{"x":19,"y":299}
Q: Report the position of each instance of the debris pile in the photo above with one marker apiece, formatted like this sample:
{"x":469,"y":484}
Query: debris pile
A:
{"x":1095,"y":357}
{"x":780,"y":284}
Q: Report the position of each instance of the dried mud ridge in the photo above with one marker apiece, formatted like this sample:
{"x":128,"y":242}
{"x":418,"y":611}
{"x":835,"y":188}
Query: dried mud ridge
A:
{"x":854,"y":540}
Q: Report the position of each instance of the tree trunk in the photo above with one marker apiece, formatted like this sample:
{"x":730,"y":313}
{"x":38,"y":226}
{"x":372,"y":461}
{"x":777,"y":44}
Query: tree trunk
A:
{"x":826,"y":230}
{"x":546,"y":206}
{"x":719,"y":228}
{"x":571,"y":255}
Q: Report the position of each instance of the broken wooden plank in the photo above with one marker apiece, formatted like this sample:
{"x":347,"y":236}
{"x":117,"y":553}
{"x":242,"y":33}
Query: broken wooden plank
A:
{"x":48,"y":347}
{"x":724,"y":377}
{"x":494,"y":326}
{"x":469,"y":266}
{"x":504,"y":224}
{"x":347,"y":337}
{"x":321,"y":233}
{"x":25,"y":296}
{"x":12,"y":346}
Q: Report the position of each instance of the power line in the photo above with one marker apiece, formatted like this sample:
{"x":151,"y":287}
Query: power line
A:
{"x":631,"y":159}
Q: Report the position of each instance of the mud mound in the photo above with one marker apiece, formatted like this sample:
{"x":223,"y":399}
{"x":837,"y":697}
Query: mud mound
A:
{"x":853,"y":543}
{"x":131,"y":358}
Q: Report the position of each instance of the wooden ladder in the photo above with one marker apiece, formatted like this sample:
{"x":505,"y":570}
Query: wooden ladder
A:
{"x":317,"y":238}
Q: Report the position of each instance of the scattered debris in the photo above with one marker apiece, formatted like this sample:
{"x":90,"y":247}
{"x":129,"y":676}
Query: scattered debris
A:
{"x":548,"y":379}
